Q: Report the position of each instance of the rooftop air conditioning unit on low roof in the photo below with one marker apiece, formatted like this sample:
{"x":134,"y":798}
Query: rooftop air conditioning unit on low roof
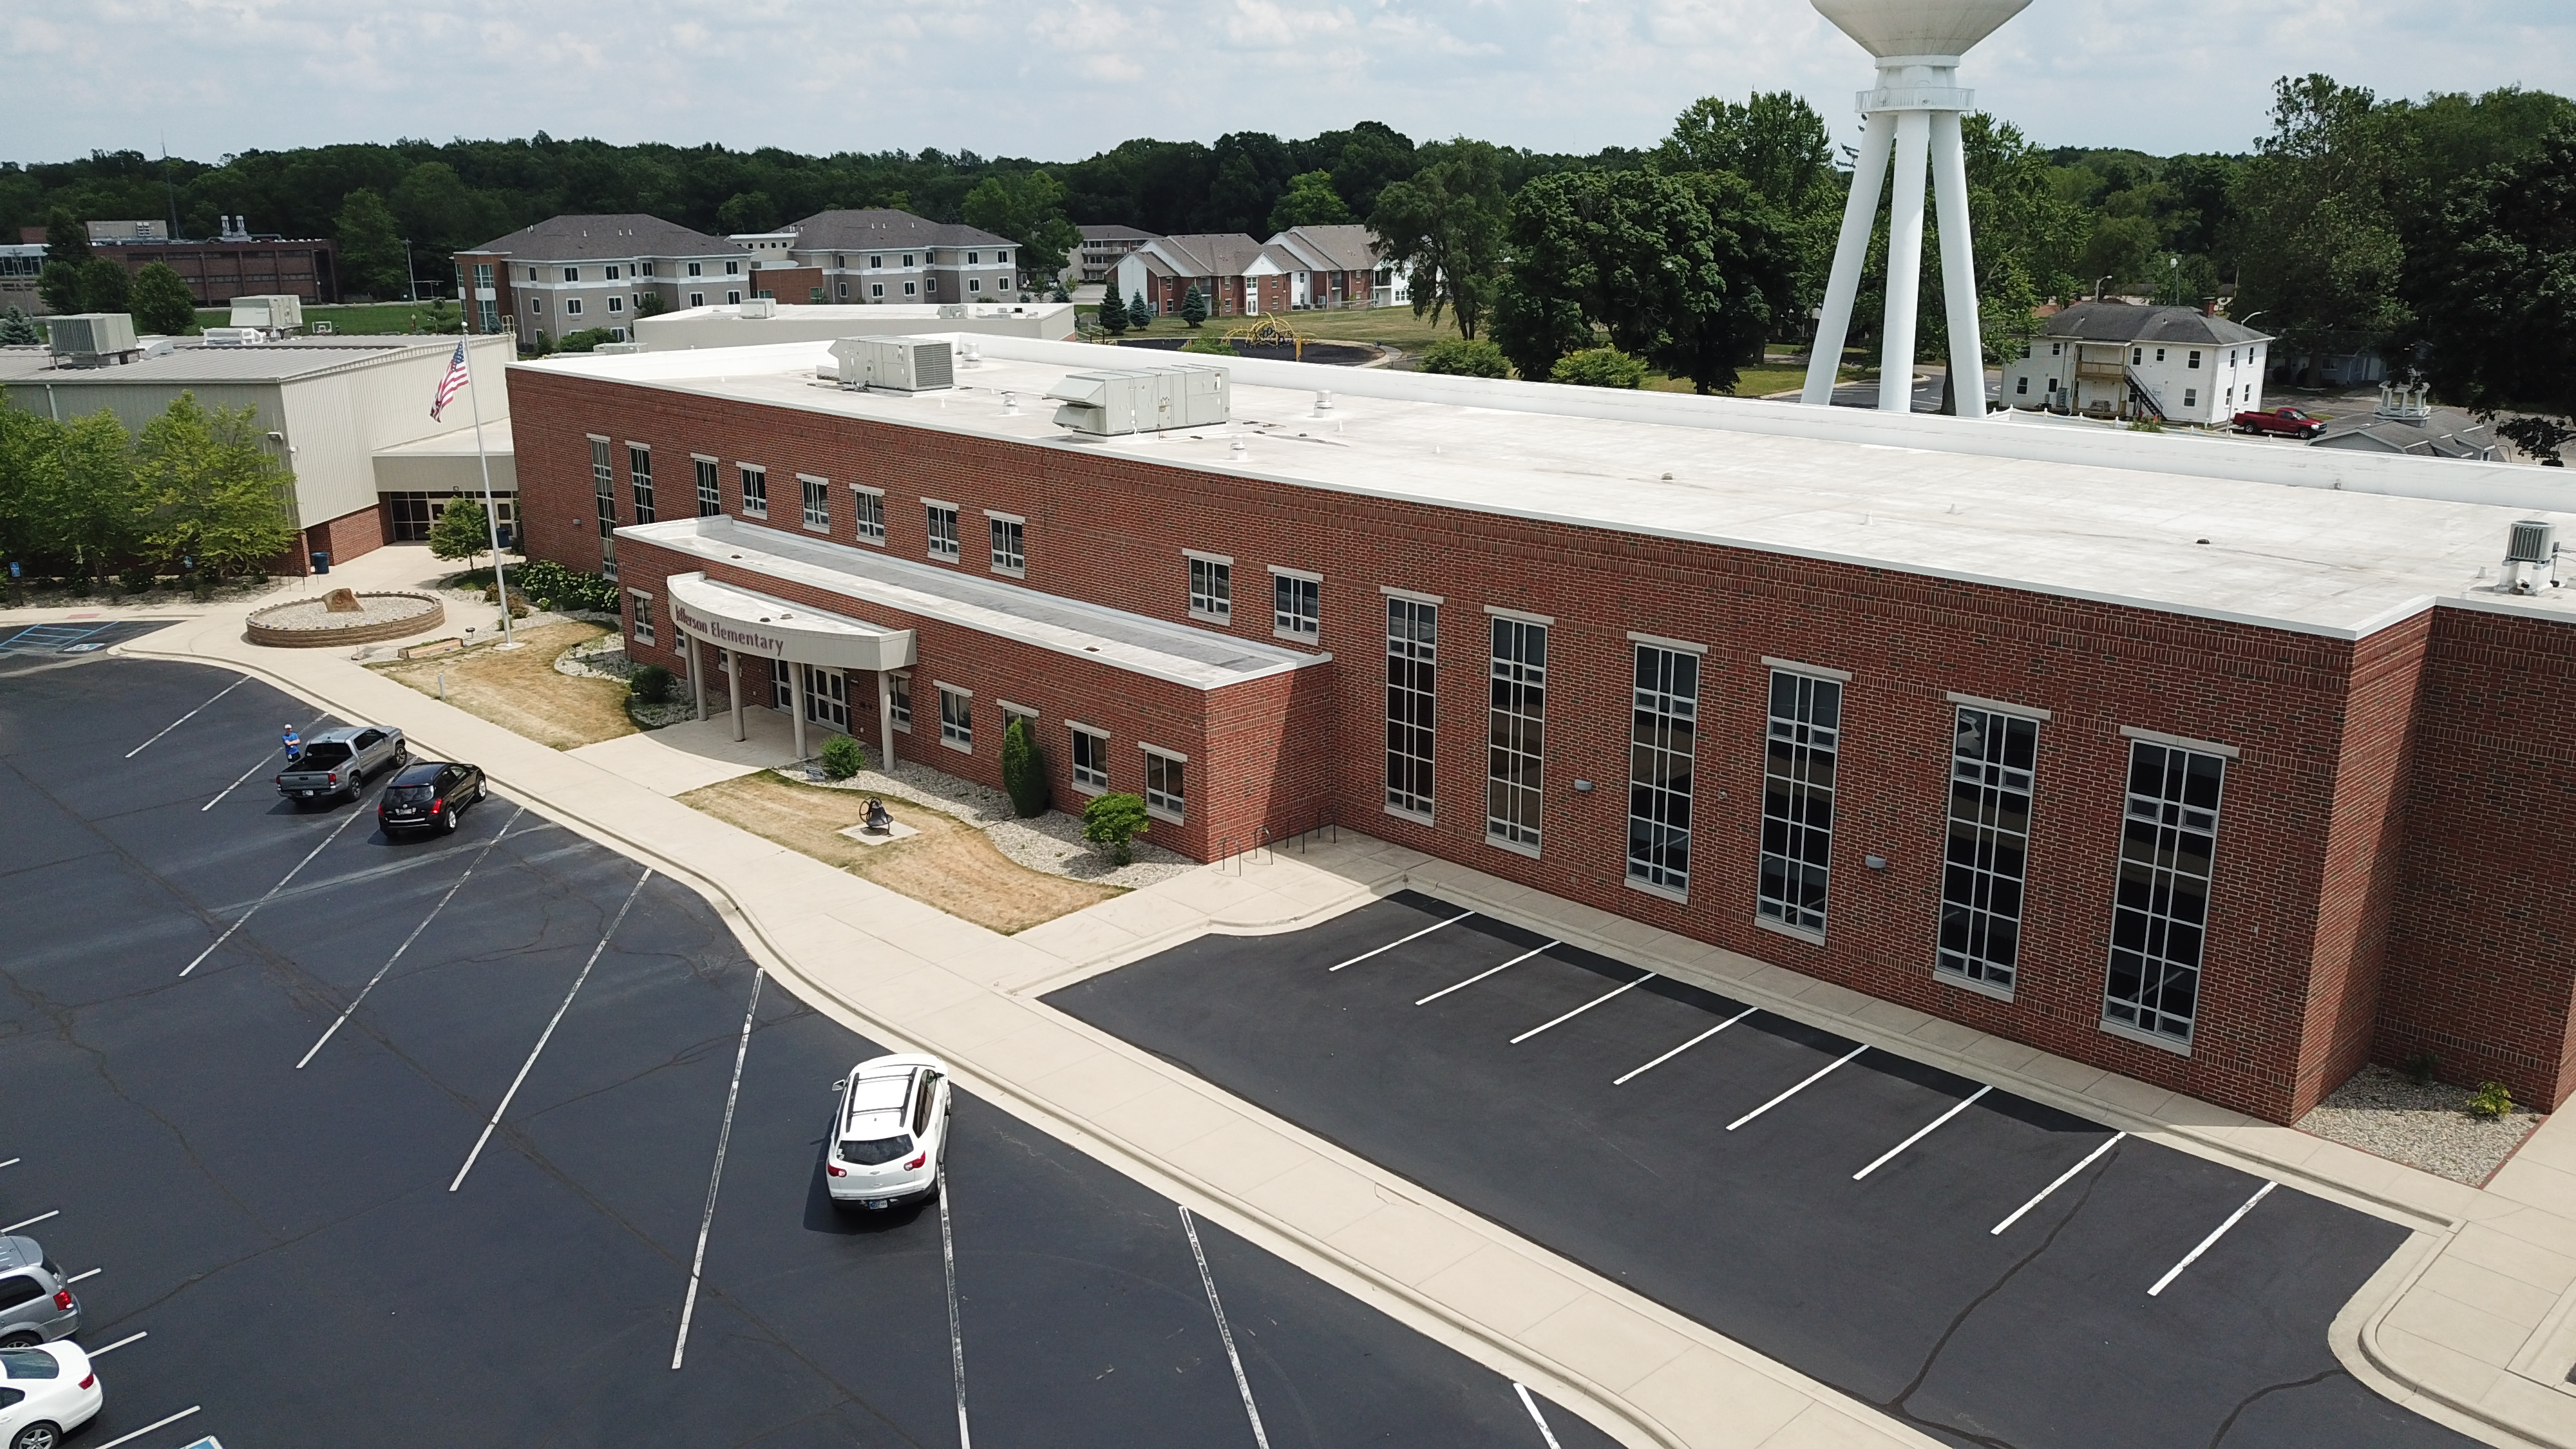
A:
{"x":272,"y":312}
{"x":91,"y":339}
{"x":235,"y":337}
{"x":895,"y":364}
{"x":760,"y":307}
{"x":1144,"y":400}
{"x":2531,"y":557}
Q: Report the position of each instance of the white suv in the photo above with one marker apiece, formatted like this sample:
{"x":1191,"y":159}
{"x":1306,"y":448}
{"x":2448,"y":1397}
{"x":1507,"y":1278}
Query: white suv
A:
{"x":46,"y":1392}
{"x":890,"y":1138}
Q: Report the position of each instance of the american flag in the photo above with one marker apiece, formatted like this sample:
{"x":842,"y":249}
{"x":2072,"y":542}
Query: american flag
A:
{"x":448,"y":385}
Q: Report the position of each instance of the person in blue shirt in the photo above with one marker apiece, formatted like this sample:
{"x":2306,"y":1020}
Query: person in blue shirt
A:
{"x":294,"y":744}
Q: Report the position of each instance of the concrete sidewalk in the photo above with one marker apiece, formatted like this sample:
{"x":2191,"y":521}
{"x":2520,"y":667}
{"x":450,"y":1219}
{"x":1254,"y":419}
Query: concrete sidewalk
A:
{"x":2472,"y":1324}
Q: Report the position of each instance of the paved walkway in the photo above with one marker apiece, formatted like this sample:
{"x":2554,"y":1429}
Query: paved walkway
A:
{"x":2473,"y":1323}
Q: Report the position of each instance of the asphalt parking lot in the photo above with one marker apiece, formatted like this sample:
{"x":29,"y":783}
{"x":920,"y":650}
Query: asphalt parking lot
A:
{"x":1990,"y":1269}
{"x":366,"y":1142}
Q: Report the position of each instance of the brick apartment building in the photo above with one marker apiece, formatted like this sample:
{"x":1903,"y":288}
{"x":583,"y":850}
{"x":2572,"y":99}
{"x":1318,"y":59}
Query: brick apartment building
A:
{"x":237,"y":264}
{"x":2226,"y":767}
{"x":1302,"y":268}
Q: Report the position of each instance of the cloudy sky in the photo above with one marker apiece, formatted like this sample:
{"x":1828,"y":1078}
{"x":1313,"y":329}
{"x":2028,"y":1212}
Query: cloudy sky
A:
{"x":1060,"y":79}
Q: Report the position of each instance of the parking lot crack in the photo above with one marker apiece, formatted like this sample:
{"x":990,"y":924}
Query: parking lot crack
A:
{"x":2228,"y":1424}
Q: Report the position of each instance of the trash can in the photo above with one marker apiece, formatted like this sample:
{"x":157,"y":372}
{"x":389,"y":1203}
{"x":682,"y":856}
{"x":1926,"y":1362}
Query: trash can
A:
{"x":321,"y":563}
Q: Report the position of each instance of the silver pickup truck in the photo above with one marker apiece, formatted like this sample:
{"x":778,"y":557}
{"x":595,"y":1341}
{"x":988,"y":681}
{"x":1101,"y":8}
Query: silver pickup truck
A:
{"x":340,"y":762}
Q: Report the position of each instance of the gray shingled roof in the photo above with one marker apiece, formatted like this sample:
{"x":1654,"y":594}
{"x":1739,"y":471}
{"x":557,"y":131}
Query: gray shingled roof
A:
{"x":1113,"y":233}
{"x":2444,"y":433}
{"x":1213,"y":253}
{"x":1343,"y":248}
{"x":883,"y":227}
{"x":606,"y":238}
{"x":2126,"y":322}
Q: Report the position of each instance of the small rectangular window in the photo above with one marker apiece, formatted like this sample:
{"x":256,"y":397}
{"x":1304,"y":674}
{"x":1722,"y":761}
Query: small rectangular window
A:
{"x":868,"y":504}
{"x":1802,"y":741}
{"x":973,"y":258}
{"x":642,"y":608}
{"x":733,"y":299}
{"x":2195,"y":360}
{"x":1164,"y":792}
{"x":956,"y":719}
{"x":572,"y":306}
{"x":697,"y":299}
{"x":818,"y":503}
{"x":616,"y":304}
{"x":2021,"y":386}
{"x":612,"y":274}
{"x":911,"y":288}
{"x":907,"y":259}
{"x":942,"y":518}
{"x":1296,"y":607}
{"x":1010,"y":537}
{"x":697,"y":269}
{"x":710,"y":492}
{"x":1211,"y":588}
{"x":733,"y":269}
{"x":646,"y":270}
{"x":572,"y":274}
{"x":1090,"y":759}
{"x":899,"y":692}
{"x":639,"y":473}
{"x":841,"y":288}
{"x":876,"y":289}
{"x":755,"y":491}
{"x":876,"y":261}
{"x":2191,"y":397}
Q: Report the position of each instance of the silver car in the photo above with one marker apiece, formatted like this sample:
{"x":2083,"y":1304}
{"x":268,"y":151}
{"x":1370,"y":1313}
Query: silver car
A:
{"x":339,"y":762}
{"x":36,"y":1305}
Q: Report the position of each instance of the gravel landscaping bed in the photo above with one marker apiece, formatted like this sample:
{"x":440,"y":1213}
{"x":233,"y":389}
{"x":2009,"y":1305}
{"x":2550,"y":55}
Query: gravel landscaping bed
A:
{"x":2423,"y":1125}
{"x":1051,"y":843}
{"x":605,"y":658}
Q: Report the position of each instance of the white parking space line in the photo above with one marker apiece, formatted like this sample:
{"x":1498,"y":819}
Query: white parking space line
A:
{"x":262,"y":764}
{"x":1416,"y":936}
{"x":1488,"y":971}
{"x":1587,"y":1006}
{"x":183,"y":719}
{"x":1922,"y":1132}
{"x":148,"y":1428}
{"x":77,"y":1277}
{"x":1207,"y":1280}
{"x":1686,"y":1046}
{"x":2063,"y":1178}
{"x":956,"y":1327}
{"x":12,"y":1162}
{"x":548,"y":1034}
{"x":1536,"y":1417}
{"x":355,"y":811}
{"x":715,"y":1179}
{"x":120,"y":1343}
{"x":1821,"y":1073}
{"x":471,"y":866}
{"x":31,"y":1222}
{"x":2215,"y":1234}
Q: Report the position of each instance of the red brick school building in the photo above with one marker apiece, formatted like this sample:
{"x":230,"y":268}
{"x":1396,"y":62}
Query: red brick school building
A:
{"x":2227,"y":766}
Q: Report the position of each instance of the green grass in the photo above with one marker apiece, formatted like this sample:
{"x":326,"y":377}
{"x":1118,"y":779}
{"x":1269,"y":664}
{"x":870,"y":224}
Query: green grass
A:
{"x":372,"y":320}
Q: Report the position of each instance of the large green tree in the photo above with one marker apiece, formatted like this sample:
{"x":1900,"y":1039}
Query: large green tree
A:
{"x":2496,"y":292}
{"x":161,"y":302}
{"x":66,"y":237}
{"x":1446,"y":223}
{"x":372,"y":259}
{"x":1310,"y":200}
{"x":208,"y":490}
{"x":2317,"y":244}
{"x":105,"y":285}
{"x":1029,"y":209}
{"x":87,"y":510}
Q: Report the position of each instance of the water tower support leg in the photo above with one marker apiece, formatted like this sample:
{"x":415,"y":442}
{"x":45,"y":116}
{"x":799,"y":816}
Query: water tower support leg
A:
{"x":1904,"y":261}
{"x":1860,"y":218}
{"x":1958,"y":267}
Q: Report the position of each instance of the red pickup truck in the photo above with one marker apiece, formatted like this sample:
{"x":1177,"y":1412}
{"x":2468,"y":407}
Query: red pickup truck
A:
{"x":2286,"y":422}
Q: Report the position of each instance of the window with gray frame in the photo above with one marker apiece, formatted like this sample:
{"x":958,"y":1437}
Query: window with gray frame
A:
{"x":2160,"y":912}
{"x":1798,"y":798}
{"x":899,"y":698}
{"x":1297,"y":607}
{"x":639,"y":474}
{"x":956,"y":719}
{"x":1412,"y":665}
{"x":755,"y":491}
{"x":1211,"y":590}
{"x":1164,"y":782}
{"x":943,"y":530}
{"x":1090,"y":759}
{"x":818,"y":503}
{"x":1664,"y":734}
{"x":1518,"y":732}
{"x":603,"y":485}
{"x":1010,"y":545}
{"x":1992,"y":759}
{"x":710,"y":492}
{"x":870,"y":508}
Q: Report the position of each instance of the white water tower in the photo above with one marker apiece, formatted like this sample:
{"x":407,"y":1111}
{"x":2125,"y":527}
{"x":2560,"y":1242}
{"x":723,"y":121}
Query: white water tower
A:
{"x":1914,"y":112}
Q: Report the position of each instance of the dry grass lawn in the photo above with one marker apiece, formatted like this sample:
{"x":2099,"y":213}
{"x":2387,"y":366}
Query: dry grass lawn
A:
{"x":950,"y":864}
{"x":520,"y":691}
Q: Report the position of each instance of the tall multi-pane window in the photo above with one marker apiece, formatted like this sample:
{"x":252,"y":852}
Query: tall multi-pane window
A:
{"x":639,"y":474}
{"x":956,"y":718}
{"x":755,"y":491}
{"x":1663,"y":735}
{"x":1090,"y":759}
{"x":1010,"y":545}
{"x":1798,"y":798}
{"x":818,"y":502}
{"x":1211,"y":588}
{"x":942,"y":519}
{"x":1518,"y":733}
{"x":1164,"y":794}
{"x":899,"y":699}
{"x":1296,"y":612}
{"x":2160,"y":915}
{"x":603,"y":485}
{"x":1991,"y":759}
{"x":869,"y":506}
{"x":1412,"y":664}
{"x":710,"y":493}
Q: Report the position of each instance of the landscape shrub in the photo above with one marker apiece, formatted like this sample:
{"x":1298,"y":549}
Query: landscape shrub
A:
{"x":546,"y":579}
{"x":1599,"y":367}
{"x":651,"y":685}
{"x":1023,"y":769}
{"x":1115,"y":820}
{"x":136,"y":580}
{"x":843,"y":757}
{"x":1459,"y":357}
{"x":2490,"y":1102}
{"x":1209,"y":342}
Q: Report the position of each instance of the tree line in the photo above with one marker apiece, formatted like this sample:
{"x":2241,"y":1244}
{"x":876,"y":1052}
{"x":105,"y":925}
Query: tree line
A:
{"x":195,"y":492}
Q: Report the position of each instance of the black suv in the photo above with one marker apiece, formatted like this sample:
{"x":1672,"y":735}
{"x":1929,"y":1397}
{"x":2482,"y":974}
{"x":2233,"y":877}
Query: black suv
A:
{"x":429,"y":796}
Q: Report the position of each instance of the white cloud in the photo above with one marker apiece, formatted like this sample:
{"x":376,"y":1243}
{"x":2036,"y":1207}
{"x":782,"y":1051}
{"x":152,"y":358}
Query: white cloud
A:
{"x":1063,"y":78}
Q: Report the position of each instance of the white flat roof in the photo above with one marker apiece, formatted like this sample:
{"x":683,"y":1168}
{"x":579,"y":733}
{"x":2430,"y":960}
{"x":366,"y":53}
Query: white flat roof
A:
{"x":2318,"y":541}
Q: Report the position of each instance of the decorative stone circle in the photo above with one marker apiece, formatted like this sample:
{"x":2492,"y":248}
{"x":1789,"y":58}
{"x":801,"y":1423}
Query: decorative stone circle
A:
{"x":320,"y":623}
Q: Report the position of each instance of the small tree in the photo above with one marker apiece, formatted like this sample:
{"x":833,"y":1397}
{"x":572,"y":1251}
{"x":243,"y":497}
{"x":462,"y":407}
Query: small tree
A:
{"x":585,"y":339}
{"x":1113,"y":318}
{"x":1193,"y":306}
{"x":1458,"y":357}
{"x":843,"y":757}
{"x":462,"y":532}
{"x":210,"y":488}
{"x":1059,"y":294}
{"x":104,"y":286}
{"x":59,"y":284}
{"x":651,"y":304}
{"x":1599,"y":367}
{"x":1139,"y":316}
{"x":17,"y":329}
{"x":1209,"y":342}
{"x":1115,"y":820}
{"x":1023,"y":769}
{"x":160,"y":301}
{"x":652,"y":685}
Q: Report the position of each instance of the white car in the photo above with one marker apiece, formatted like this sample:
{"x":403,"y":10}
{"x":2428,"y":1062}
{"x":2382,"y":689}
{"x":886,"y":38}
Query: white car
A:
{"x":46,"y":1391}
{"x":890,"y":1137}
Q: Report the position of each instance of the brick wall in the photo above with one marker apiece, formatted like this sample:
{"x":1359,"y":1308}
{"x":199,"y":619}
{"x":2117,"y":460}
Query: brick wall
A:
{"x":344,"y":538}
{"x":2308,"y":864}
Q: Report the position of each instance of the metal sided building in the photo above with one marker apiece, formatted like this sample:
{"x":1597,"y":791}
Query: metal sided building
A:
{"x":2223,"y":766}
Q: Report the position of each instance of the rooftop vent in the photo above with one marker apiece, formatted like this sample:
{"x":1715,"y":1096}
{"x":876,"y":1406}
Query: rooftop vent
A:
{"x":91,"y":339}
{"x":235,"y":337}
{"x":1146,"y":400}
{"x":895,"y":364}
{"x":760,"y":307}
{"x":2531,"y":557}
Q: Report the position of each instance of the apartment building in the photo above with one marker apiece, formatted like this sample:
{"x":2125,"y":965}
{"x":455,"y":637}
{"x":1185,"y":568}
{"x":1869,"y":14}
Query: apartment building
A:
{"x":575,"y":273}
{"x":874,"y":256}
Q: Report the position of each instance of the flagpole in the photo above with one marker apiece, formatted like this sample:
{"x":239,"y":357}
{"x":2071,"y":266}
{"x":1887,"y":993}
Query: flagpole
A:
{"x":491,"y":516}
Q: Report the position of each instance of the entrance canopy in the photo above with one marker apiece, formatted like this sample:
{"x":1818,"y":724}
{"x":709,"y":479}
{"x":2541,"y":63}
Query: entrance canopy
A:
{"x":750,"y":623}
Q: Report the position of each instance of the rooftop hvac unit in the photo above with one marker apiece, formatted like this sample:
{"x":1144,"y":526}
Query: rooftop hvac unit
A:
{"x":617,"y":349}
{"x":270,"y":312}
{"x":235,"y":337}
{"x":760,"y":307}
{"x":895,"y":364}
{"x":1146,"y":400}
{"x":91,"y":339}
{"x":950,"y":311}
{"x":2534,"y":540}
